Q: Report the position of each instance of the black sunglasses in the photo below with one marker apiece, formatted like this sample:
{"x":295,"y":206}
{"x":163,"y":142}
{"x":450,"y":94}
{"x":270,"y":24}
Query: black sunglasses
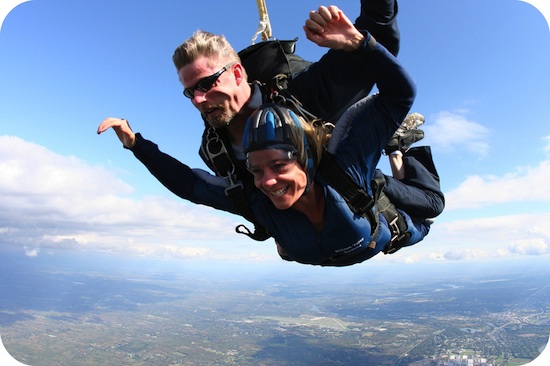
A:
{"x":206,"y":83}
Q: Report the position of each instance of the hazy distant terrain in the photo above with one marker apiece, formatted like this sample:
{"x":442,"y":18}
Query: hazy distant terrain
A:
{"x":113,"y":311}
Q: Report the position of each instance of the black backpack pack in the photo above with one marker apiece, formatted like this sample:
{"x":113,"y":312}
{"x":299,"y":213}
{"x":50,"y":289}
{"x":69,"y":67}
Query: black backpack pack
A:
{"x":265,"y":60}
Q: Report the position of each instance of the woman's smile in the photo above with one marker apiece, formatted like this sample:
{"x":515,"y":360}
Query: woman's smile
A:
{"x":278,"y":176}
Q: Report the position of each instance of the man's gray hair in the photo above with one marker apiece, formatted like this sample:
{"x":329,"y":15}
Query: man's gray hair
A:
{"x":206,"y":44}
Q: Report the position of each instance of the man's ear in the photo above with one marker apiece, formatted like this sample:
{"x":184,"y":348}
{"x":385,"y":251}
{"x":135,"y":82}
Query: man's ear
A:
{"x":240,"y":73}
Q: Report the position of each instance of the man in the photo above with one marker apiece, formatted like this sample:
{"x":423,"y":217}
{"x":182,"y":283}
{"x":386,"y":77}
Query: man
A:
{"x":325,"y":89}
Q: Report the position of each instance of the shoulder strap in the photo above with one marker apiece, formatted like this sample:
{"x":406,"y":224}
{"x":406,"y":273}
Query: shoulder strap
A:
{"x":277,"y":92}
{"x":359,"y":201}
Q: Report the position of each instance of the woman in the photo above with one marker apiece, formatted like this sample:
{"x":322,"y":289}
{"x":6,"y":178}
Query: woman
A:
{"x":308,"y":218}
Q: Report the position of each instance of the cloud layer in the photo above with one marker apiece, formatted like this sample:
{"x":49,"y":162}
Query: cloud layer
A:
{"x":54,"y":201}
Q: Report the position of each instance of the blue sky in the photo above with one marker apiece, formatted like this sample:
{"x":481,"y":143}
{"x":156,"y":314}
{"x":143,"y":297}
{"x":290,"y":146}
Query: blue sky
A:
{"x":481,"y":68}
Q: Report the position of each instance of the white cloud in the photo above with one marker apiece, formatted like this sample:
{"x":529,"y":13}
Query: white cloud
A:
{"x":31,"y":252}
{"x":54,"y":201}
{"x":534,"y":246}
{"x":452,"y":131}
{"x":526,"y":184}
{"x":482,"y":239}
{"x":28,"y":168}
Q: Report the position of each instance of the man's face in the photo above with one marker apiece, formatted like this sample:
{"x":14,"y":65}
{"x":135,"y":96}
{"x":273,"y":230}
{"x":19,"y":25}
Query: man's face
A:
{"x":212,"y":89}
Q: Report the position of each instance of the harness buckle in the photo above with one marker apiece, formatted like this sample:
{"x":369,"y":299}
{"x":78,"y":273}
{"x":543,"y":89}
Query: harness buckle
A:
{"x":397,"y":239}
{"x":218,"y":155}
{"x":394,"y":228}
{"x":234,"y":187}
{"x":361,"y":202}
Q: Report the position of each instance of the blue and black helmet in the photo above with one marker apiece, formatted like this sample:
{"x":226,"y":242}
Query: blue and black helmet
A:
{"x":276,"y":127}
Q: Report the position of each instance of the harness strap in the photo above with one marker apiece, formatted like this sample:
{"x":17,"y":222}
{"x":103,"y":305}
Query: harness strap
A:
{"x":394,"y":218}
{"x":358,"y":200}
{"x":361,"y":203}
{"x":236,"y":192}
{"x":217,"y":156}
{"x":277,"y":92}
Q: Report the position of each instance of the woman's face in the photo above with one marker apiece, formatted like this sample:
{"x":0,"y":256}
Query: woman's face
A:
{"x":278,"y":176}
